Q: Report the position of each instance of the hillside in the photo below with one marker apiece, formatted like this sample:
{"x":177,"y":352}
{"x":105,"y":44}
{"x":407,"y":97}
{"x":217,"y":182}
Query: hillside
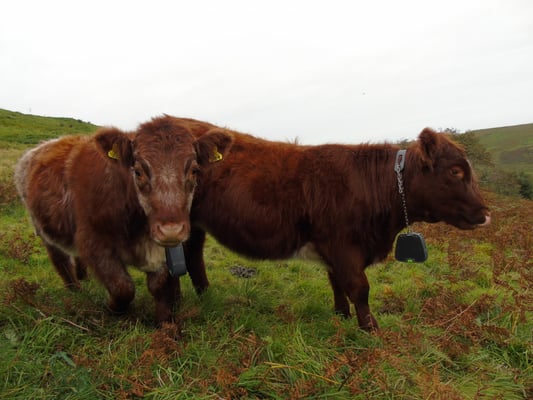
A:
{"x":19,"y":131}
{"x":511,"y":147}
{"x":19,"y":128}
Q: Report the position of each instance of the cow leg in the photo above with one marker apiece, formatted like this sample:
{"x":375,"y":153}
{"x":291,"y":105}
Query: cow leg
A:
{"x":81,"y":269}
{"x":342,"y":306}
{"x":120,"y":288}
{"x":194,"y":258}
{"x":62,"y":263}
{"x":348,"y":278}
{"x":166,"y":292}
{"x":113,"y":275}
{"x":357,"y":290}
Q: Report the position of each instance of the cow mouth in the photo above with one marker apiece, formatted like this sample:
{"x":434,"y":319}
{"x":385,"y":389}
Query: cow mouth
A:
{"x":471,"y":223}
{"x":465,"y":221}
{"x":486,"y":222}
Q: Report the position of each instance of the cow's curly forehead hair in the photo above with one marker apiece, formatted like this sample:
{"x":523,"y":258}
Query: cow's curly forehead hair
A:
{"x":164,"y":134}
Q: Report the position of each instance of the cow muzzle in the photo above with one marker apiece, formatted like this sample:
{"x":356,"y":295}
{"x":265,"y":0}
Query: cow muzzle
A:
{"x":487,"y":220}
{"x":482,"y":221}
{"x":169,"y":234}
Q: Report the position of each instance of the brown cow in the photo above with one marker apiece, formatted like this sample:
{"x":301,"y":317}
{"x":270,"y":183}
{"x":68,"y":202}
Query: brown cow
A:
{"x":273,"y":200}
{"x":114,"y":199}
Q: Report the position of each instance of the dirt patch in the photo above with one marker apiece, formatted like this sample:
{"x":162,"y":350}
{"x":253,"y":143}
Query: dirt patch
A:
{"x":243,"y":272}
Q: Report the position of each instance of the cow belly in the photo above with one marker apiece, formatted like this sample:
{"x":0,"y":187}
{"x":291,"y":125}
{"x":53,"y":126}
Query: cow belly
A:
{"x":262,"y":246}
{"x":255,"y":231}
{"x":308,"y":252}
{"x":64,"y":245}
{"x":55,"y":230}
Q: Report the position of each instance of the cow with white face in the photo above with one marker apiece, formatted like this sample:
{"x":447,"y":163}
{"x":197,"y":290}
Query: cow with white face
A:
{"x":115,"y":199}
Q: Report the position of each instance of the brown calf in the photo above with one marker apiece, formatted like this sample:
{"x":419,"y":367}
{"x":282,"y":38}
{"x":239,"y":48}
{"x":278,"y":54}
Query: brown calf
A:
{"x":112,"y":200}
{"x":273,"y":200}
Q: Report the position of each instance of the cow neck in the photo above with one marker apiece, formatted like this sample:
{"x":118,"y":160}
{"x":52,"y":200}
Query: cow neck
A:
{"x":399,"y":166}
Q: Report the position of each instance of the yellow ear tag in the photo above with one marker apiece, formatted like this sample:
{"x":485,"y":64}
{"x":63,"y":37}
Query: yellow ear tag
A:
{"x":216,"y":156}
{"x":113,"y":153}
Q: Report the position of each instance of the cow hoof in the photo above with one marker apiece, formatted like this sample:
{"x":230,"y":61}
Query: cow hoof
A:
{"x":368,"y":324}
{"x":163,"y":317}
{"x":344,"y":314}
{"x":73,"y":286}
{"x":200,"y":292}
{"x":117,"y":309}
{"x":370,"y":328}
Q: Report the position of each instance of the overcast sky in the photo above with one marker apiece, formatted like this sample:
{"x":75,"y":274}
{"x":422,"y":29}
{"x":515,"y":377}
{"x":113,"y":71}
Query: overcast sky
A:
{"x":322,"y":71}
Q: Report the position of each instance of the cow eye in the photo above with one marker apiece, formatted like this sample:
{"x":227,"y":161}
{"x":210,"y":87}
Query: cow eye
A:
{"x":142,"y":178}
{"x":191,"y":167}
{"x":457,"y":172}
{"x":142,"y":175}
{"x":141,"y":170}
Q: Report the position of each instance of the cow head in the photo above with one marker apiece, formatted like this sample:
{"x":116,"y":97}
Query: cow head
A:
{"x":162,"y":160}
{"x":441,"y":185}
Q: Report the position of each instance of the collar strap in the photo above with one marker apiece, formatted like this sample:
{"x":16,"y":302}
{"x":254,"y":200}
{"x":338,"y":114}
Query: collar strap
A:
{"x":399,"y":167}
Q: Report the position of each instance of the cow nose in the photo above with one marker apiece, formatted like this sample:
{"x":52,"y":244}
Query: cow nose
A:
{"x":169,"y":234}
{"x":487,"y":220}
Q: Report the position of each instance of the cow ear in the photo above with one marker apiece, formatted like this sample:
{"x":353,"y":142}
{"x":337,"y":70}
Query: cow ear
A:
{"x":429,"y":143}
{"x":213,"y":146}
{"x":116,"y":145}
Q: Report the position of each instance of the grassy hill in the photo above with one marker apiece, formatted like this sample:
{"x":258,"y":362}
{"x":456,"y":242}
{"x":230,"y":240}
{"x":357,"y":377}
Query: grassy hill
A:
{"x":19,"y":128}
{"x":19,"y":131}
{"x":459,"y":326}
{"x":511,"y":147}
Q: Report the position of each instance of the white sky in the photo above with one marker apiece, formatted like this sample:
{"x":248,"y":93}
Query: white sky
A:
{"x":322,"y":71}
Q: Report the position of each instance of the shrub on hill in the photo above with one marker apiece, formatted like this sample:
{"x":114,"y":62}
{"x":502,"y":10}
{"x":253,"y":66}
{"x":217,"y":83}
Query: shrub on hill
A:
{"x":490,"y":175}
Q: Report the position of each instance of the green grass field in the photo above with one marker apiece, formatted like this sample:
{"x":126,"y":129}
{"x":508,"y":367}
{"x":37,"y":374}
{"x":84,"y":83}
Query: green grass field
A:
{"x":459,"y":326}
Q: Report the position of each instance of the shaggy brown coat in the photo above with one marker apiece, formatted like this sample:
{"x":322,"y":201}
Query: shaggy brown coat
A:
{"x":114,"y":199}
{"x":274,"y":200}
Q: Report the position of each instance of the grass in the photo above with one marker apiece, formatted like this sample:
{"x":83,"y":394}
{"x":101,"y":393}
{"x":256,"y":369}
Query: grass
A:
{"x":459,"y":326}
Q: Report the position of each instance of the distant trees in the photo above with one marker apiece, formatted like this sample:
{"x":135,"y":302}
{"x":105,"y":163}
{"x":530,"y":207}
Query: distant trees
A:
{"x":489,"y":174}
{"x":476,"y":151}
